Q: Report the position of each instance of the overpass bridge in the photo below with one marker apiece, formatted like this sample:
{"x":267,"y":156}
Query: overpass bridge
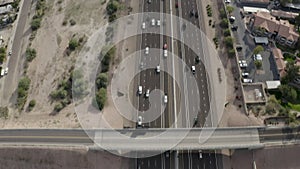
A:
{"x":153,"y":139}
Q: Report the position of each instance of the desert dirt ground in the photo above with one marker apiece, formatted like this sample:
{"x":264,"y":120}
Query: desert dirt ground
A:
{"x":52,"y":65}
{"x":63,"y":158}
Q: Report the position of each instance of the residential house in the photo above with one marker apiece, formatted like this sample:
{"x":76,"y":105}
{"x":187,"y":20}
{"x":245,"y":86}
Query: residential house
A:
{"x":279,"y":60}
{"x":280,"y":30}
{"x":284,"y":14}
{"x":255,"y":3}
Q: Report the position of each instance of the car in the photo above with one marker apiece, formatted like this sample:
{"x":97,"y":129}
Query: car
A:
{"x":234,"y":28}
{"x":153,"y":22}
{"x":200,"y":154}
{"x":239,"y":47}
{"x":143,"y":25}
{"x":140,"y":120}
{"x":140,"y":90}
{"x":196,"y":14}
{"x":166,"y":98}
{"x":149,"y":1}
{"x":197,"y":59}
{"x":231,"y":19}
{"x":245,"y":74}
{"x":142,"y":65}
{"x":192,"y":12}
{"x":2,"y":72}
{"x":165,"y":53}
{"x":157,"y":68}
{"x":147,"y":93}
{"x":243,"y":63}
{"x":247,"y":80}
{"x":158,"y":22}
{"x":227,"y":1}
{"x":167,"y":154}
{"x":147,"y":50}
{"x":176,"y":5}
{"x":193,"y":69}
{"x":6,"y":71}
{"x":257,"y":57}
{"x":9,"y":53}
{"x":297,"y":80}
{"x":165,"y":46}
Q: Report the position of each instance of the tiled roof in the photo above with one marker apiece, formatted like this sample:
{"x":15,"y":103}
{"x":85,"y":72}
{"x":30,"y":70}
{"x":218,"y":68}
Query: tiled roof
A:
{"x":279,"y":61}
{"x":283,"y":27}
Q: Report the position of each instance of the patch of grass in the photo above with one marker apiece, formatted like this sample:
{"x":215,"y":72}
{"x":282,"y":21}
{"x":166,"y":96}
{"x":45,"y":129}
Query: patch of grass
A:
{"x":22,"y":90}
{"x":4,"y":112}
{"x":294,"y":106}
{"x":30,"y":54}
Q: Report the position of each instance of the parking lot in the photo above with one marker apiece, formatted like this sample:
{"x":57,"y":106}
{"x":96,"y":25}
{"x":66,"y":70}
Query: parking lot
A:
{"x":243,"y":38}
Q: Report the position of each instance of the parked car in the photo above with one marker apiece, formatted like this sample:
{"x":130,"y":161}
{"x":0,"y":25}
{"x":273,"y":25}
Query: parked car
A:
{"x":245,"y":74}
{"x":143,"y":25}
{"x":193,"y":69}
{"x":257,"y":57}
{"x":165,"y":53}
{"x":166,"y":98}
{"x":147,"y":93}
{"x":158,"y":22}
{"x":153,"y":22}
{"x":157,"y":69}
{"x":234,"y":28}
{"x":243,"y":63}
{"x":147,"y":50}
{"x":140,"y":90}
{"x":140,"y":121}
{"x":247,"y":80}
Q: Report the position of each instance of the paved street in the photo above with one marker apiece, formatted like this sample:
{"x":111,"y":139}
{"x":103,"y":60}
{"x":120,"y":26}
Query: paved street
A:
{"x":9,"y":83}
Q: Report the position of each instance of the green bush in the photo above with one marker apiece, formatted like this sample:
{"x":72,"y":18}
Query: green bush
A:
{"x":31,"y":104}
{"x":58,"y":107}
{"x":112,"y":7}
{"x":22,"y":90}
{"x":73,"y":44}
{"x":4,"y":112}
{"x":228,"y":41}
{"x":30,"y":54}
{"x":36,"y":23}
{"x":226,"y":32}
{"x":229,"y":9}
{"x":101,"y":98}
{"x":224,"y":23}
{"x":102,"y":80}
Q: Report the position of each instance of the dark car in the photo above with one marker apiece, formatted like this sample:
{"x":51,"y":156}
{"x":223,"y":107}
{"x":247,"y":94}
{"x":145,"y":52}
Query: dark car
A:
{"x":197,"y":59}
{"x":192,"y":13}
{"x":196,"y":14}
{"x":176,"y":5}
{"x":239,"y":47}
{"x":234,"y":28}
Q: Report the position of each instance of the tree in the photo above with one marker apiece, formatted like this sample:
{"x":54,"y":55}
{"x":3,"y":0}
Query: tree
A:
{"x":73,"y":44}
{"x":258,"y":49}
{"x":288,"y":92}
{"x":224,"y":23}
{"x":292,"y":71}
{"x":30,"y":54}
{"x":258,"y":64}
{"x":229,"y":9}
{"x":231,"y":53}
{"x":112,"y":7}
{"x":102,"y":80}
{"x":226,"y":32}
{"x":24,"y":83}
{"x":35,"y":24}
{"x":101,"y":98}
{"x":229,"y":42}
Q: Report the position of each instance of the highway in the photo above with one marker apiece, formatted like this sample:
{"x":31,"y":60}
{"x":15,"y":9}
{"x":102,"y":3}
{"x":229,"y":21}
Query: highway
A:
{"x":222,"y":138}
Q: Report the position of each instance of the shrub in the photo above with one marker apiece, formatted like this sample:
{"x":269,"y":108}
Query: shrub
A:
{"x":58,"y":107}
{"x":226,"y":32}
{"x":224,"y":23}
{"x":229,"y":42}
{"x":31,"y":104}
{"x":30,"y":54}
{"x":112,"y":7}
{"x":101,"y":98}
{"x":102,"y":80}
{"x":4,"y":112}
{"x":73,"y":44}
{"x":35,"y":24}
{"x":72,"y":22}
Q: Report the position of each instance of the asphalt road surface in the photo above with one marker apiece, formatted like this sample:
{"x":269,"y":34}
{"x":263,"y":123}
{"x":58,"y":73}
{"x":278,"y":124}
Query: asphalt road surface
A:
{"x":10,"y":81}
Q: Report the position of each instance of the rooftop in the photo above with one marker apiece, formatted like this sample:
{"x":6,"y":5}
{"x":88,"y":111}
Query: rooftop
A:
{"x":271,"y":24}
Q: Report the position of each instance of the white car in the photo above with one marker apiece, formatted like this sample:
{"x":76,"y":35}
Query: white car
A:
{"x":193,"y":69}
{"x":243,"y":63}
{"x":227,"y":1}
{"x":165,"y":53}
{"x":158,"y":69}
{"x":140,"y":120}
{"x":2,"y":72}
{"x":6,"y":71}
{"x":165,"y":98}
{"x":147,"y":50}
{"x":140,"y":90}
{"x":143,"y":25}
{"x":247,"y":80}
{"x":153,"y":22}
{"x":245,"y":74}
{"x":147,"y":93}
{"x":257,"y":57}
{"x":158,"y":22}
